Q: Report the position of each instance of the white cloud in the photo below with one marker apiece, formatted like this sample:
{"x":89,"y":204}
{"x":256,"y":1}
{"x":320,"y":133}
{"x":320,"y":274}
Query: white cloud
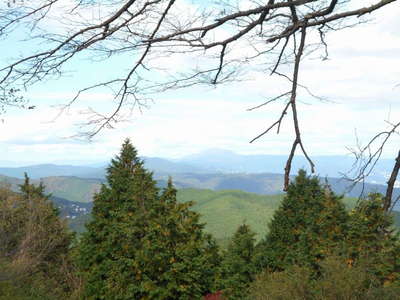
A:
{"x":360,"y":78}
{"x":175,"y":127}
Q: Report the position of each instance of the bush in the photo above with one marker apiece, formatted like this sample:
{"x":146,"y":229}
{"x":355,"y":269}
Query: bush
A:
{"x":290,"y":284}
{"x":338,"y":280}
{"x":34,"y":246}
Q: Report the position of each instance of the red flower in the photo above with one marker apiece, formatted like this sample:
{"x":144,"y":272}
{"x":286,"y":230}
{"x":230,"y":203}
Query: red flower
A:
{"x":214,"y":296}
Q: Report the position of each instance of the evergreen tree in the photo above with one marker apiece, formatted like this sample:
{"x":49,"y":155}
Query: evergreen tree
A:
{"x":142,"y":244}
{"x":29,"y":190}
{"x":238,"y":269}
{"x":309,"y":225}
{"x":372,"y":241}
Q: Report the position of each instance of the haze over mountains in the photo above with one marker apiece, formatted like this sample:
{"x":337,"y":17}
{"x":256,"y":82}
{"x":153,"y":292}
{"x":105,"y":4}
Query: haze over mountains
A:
{"x":223,"y":200}
{"x":330,"y":166}
{"x":228,"y":188}
{"x":211,"y":161}
{"x":213,"y":169}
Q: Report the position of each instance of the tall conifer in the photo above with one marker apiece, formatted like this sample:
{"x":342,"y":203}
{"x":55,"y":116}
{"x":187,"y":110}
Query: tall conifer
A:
{"x":309,"y":225}
{"x":238,"y":269}
{"x":372,"y":240}
{"x":142,"y":244}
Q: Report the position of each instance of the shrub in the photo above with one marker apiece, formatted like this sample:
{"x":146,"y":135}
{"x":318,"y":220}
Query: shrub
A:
{"x":337,"y":280}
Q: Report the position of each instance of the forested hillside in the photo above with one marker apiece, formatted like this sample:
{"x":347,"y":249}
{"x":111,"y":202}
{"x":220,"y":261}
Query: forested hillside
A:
{"x":82,"y":189}
{"x":139,"y":240}
{"x":223,"y":211}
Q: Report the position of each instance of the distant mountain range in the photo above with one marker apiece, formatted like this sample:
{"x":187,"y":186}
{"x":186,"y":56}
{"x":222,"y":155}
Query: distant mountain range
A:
{"x":326,"y":166}
{"x":211,"y":162}
{"x":214,"y":169}
{"x":79,"y":189}
{"x":156,"y":164}
{"x":46,"y":170}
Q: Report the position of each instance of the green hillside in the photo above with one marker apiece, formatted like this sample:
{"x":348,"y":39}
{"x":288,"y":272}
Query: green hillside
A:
{"x":223,"y":211}
{"x":72,"y":188}
{"x":396,"y":218}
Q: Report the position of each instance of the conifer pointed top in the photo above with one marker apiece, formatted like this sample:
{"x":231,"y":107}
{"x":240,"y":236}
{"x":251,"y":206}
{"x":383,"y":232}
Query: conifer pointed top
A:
{"x":29,"y":190}
{"x":169,"y":183}
{"x":126,"y":160}
{"x":128,"y":151}
{"x":169,"y":192}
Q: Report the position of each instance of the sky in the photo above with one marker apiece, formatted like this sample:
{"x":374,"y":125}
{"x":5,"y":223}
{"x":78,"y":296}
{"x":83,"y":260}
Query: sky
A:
{"x":360,"y":82}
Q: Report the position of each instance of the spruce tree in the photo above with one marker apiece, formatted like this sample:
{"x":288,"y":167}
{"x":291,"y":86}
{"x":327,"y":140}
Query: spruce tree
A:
{"x":142,"y":244}
{"x":238,"y":269}
{"x":309,"y":225}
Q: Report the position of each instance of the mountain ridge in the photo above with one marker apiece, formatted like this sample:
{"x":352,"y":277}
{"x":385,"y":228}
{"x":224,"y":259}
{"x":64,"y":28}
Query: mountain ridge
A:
{"x":82,"y":189}
{"x":213,"y":161}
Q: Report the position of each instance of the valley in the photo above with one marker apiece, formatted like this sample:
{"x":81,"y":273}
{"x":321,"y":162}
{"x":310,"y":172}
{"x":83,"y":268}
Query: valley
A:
{"x":224,"y":196}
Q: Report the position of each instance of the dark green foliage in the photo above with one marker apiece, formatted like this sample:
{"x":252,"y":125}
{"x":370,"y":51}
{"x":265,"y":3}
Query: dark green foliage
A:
{"x":238,"y":269}
{"x":372,"y":240}
{"x":317,"y":250}
{"x":309,"y":224}
{"x":142,"y":244}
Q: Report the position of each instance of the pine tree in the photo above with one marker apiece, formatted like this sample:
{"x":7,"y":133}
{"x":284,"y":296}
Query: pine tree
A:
{"x":142,"y":244}
{"x":238,"y":269}
{"x":309,"y":225}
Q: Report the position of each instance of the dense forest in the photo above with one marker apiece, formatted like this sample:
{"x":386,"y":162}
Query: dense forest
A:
{"x":142,"y":242}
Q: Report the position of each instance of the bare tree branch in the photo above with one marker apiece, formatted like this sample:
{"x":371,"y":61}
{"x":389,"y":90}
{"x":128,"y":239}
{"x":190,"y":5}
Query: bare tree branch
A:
{"x":391,"y":182}
{"x":366,"y":158}
{"x":150,"y":29}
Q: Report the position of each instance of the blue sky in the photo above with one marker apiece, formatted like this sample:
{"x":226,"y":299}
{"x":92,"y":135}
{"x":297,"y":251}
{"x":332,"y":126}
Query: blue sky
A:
{"x":359,"y":80}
